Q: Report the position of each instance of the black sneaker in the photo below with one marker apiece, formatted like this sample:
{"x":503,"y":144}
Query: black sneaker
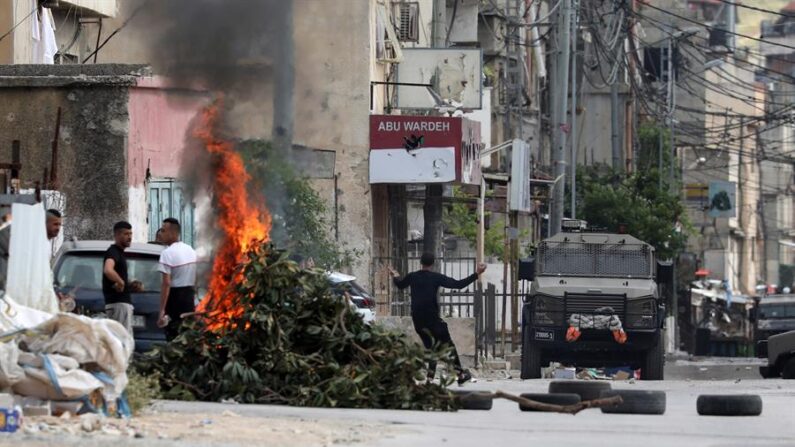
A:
{"x":464,"y":377}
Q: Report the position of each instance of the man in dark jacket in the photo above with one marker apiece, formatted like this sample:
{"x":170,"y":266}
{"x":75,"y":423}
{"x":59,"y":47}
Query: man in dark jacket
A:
{"x":425,"y":284}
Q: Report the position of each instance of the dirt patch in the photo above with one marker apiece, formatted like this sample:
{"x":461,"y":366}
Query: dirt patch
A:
{"x":156,"y":428}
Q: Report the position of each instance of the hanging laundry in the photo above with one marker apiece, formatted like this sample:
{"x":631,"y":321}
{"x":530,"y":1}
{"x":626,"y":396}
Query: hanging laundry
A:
{"x":43,"y":34}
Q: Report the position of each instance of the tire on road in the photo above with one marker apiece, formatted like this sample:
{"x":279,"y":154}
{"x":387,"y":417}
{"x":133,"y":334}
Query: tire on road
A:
{"x":587,"y":390}
{"x":552,"y":399}
{"x":729,"y":405}
{"x":636,"y":402}
{"x":473,"y":400}
{"x":788,"y":371}
{"x":653,"y":363}
{"x":531,"y":358}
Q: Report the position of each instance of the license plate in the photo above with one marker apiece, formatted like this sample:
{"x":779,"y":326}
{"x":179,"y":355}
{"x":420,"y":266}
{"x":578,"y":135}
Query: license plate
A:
{"x":545,"y":335}
{"x":139,"y":321}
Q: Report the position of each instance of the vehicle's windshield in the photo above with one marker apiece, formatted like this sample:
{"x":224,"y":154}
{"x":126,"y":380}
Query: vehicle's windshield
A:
{"x":785,"y":310}
{"x":84,"y":271}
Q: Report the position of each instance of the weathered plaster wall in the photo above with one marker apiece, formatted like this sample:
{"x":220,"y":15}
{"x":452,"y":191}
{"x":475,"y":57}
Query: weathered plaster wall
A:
{"x":160,"y":119}
{"x":91,"y":163}
{"x":332,"y":105}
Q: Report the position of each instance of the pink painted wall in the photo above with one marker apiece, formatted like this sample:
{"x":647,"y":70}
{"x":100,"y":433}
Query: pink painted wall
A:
{"x":160,"y":118}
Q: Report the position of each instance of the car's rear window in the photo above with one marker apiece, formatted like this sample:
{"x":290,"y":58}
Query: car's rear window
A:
{"x":84,"y":271}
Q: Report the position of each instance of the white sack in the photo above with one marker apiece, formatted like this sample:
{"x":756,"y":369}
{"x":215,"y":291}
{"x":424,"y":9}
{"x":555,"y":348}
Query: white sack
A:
{"x":10,"y":371}
{"x":14,"y":316}
{"x":73,"y":384}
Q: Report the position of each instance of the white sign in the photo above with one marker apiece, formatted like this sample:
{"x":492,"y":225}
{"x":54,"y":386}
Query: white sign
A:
{"x":520,"y":199}
{"x":424,"y":165}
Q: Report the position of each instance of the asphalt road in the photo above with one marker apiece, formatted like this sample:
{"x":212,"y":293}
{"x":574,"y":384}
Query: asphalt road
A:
{"x":504,"y":425}
{"x":680,"y":426}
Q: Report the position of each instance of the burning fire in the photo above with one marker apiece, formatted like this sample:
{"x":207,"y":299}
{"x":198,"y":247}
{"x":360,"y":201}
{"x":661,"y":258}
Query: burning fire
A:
{"x":242,"y":221}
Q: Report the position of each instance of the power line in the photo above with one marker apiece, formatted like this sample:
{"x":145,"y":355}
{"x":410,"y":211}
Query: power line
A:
{"x":710,"y":49}
{"x":696,"y":22}
{"x":116,"y":31}
{"x":18,"y":23}
{"x":754,"y":8}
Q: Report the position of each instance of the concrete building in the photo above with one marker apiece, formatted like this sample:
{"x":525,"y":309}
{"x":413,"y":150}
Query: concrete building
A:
{"x":71,"y":19}
{"x":334,"y":62}
{"x":717,"y":111}
{"x":778,"y":145}
{"x":120,"y":146}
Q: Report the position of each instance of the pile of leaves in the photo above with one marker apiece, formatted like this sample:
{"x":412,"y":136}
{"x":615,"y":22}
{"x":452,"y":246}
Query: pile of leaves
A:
{"x":295,"y":343}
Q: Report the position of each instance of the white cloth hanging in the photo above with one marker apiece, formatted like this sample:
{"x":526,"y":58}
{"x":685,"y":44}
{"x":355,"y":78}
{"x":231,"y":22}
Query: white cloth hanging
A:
{"x":43,"y":33}
{"x":30,"y":280}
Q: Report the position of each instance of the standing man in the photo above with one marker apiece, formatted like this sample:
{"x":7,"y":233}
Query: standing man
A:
{"x":178,"y":266}
{"x":425,"y":284}
{"x":115,"y":283}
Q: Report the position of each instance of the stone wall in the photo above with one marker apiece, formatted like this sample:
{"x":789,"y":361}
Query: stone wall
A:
{"x":92,"y":144}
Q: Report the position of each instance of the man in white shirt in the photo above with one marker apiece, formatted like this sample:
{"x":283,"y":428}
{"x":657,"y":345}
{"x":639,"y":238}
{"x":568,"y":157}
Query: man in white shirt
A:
{"x":178,"y":266}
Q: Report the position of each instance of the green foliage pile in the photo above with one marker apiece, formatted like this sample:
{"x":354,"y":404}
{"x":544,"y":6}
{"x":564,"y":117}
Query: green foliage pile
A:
{"x":142,"y":390}
{"x":296,"y":343}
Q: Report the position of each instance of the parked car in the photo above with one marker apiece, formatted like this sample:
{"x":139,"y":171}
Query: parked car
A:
{"x":364,"y":302}
{"x":78,"y":270}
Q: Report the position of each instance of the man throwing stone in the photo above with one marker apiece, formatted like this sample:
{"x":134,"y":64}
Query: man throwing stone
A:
{"x":425,"y":284}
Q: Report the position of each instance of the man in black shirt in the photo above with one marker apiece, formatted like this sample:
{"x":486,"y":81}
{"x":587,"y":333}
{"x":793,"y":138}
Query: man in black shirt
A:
{"x":425,"y":284}
{"x":115,"y":283}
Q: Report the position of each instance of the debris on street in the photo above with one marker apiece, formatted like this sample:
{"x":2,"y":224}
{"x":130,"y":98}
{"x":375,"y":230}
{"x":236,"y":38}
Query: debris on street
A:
{"x":291,"y":342}
{"x":63,"y":362}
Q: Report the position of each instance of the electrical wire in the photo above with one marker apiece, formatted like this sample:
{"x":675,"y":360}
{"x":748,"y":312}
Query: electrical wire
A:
{"x":19,"y":23}
{"x":696,"y":22}
{"x":116,"y":31}
{"x":754,"y":8}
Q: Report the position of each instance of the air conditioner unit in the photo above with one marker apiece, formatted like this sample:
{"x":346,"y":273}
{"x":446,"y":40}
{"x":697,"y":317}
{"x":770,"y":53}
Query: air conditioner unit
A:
{"x":407,"y":17}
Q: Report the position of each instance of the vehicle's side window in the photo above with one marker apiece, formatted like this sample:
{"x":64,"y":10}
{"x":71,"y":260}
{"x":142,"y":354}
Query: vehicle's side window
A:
{"x":81,"y":272}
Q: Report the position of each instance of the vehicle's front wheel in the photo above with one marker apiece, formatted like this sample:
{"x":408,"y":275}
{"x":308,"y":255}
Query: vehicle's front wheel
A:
{"x":653,"y":363}
{"x":531,"y":358}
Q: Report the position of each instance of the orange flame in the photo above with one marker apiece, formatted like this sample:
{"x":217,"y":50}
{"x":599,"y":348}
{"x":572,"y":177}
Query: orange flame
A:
{"x":242,"y":221}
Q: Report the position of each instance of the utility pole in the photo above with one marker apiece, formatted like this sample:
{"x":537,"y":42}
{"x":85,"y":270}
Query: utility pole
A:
{"x":574,"y":139}
{"x":615,"y":140}
{"x":659,"y":128}
{"x":671,"y":109}
{"x":560,"y":98}
{"x":432,"y":209}
{"x":615,"y":134}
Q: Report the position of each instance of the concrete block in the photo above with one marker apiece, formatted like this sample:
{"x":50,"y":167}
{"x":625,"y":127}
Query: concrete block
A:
{"x":497,"y":365}
{"x":515,"y":360}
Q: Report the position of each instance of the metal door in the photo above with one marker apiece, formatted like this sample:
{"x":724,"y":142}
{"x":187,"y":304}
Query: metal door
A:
{"x":167,"y":198}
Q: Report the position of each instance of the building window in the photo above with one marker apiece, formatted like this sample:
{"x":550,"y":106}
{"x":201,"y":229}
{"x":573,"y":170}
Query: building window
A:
{"x":407,"y":16}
